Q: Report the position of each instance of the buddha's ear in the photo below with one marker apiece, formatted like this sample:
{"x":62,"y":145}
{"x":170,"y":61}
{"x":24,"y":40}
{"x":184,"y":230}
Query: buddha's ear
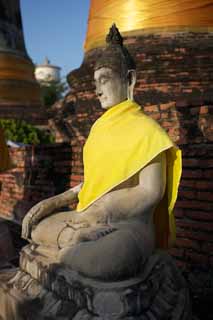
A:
{"x":131,"y":76}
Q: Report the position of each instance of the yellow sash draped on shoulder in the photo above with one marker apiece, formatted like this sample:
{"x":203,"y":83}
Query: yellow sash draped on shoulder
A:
{"x":5,"y":162}
{"x":121,"y":142}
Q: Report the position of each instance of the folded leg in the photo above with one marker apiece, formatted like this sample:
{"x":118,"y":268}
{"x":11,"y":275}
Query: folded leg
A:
{"x":117,"y":255}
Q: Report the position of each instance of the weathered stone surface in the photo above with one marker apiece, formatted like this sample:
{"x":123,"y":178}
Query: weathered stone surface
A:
{"x":158,"y":291}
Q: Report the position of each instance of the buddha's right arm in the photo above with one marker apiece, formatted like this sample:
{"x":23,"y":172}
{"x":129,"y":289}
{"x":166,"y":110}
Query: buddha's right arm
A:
{"x":46,"y":207}
{"x":64,"y":199}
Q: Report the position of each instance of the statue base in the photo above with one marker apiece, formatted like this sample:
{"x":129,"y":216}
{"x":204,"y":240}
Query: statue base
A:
{"x":44,"y":289}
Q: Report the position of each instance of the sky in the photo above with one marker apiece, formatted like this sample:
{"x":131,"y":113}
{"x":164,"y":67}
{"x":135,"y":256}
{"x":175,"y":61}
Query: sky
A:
{"x":55,"y":29}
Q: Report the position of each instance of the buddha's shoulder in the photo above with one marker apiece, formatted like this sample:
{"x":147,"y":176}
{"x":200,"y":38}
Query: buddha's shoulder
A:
{"x":147,"y":122}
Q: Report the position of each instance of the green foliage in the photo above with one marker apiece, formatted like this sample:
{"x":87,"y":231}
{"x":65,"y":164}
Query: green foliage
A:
{"x":52,"y":91}
{"x":20,"y":131}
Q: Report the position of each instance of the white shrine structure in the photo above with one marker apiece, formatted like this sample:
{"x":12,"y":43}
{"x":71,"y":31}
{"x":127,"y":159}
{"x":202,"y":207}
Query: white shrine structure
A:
{"x":47,"y":72}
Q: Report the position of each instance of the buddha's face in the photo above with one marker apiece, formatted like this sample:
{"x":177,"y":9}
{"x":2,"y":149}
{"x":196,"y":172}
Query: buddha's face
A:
{"x":111,"y":88}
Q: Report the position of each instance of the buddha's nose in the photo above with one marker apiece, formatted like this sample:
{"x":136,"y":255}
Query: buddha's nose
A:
{"x":98,"y":91}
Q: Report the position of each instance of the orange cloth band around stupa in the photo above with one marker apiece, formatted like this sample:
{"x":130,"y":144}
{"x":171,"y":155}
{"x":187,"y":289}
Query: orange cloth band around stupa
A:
{"x":121,"y":142}
{"x":136,"y":16}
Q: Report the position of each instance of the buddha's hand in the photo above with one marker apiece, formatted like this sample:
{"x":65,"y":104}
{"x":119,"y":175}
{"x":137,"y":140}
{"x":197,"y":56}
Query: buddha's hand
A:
{"x":95,"y":214}
{"x":34,"y":215}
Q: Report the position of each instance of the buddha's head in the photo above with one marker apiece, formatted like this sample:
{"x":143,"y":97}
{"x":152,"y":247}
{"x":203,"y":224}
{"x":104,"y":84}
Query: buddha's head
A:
{"x":115,"y":74}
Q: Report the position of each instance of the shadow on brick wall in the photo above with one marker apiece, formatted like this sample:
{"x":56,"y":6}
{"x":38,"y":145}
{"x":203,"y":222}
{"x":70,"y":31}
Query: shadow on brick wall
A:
{"x":46,"y":173}
{"x":41,"y":172}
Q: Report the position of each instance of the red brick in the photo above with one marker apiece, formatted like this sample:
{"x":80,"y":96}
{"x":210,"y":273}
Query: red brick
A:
{"x":195,"y":235}
{"x":206,"y":185}
{"x":176,"y":252}
{"x":78,"y":171}
{"x":199,"y":215}
{"x":179,"y":212}
{"x":140,"y":55}
{"x":193,"y":173}
{"x":187,"y":90}
{"x":151,"y":108}
{"x":197,"y":226}
{"x":196,"y":258}
{"x":211,"y":261}
{"x":182,"y":265}
{"x":187,"y":194}
{"x":204,"y":110}
{"x":174,"y":131}
{"x":73,"y":184}
{"x":206,"y":163}
{"x":195,"y":110}
{"x":208,"y":174}
{"x":207,"y":248}
{"x":191,"y":162}
{"x":188,"y":183}
{"x":194,"y":205}
{"x":76,"y":177}
{"x":155,"y":116}
{"x":166,"y":124}
{"x":164,"y":115}
{"x":181,"y":50}
{"x":187,"y":243}
{"x":181,"y":103}
{"x":204,"y":196}
{"x":196,"y":195}
{"x":76,"y":149}
{"x":174,"y":115}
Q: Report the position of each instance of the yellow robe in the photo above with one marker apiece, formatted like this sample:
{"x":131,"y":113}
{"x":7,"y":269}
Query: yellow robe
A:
{"x":5,"y":162}
{"x":122,"y":142}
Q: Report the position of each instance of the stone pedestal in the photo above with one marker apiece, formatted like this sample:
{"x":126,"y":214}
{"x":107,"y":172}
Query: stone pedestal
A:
{"x":50,"y":291}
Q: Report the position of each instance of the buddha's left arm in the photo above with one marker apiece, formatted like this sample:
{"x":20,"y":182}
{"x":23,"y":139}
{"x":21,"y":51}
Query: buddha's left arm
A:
{"x":141,"y":200}
{"x":138,"y":201}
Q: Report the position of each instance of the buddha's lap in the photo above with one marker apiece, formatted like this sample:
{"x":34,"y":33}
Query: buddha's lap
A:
{"x":49,"y":229}
{"x":119,"y":254}
{"x":59,"y":225}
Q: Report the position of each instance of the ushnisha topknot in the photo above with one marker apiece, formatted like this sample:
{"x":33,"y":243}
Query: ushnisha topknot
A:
{"x":114,"y":37}
{"x":115,"y":55}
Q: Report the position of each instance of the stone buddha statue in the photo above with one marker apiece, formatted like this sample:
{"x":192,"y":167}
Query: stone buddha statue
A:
{"x":116,"y":215}
{"x":100,"y":261}
{"x":119,"y":219}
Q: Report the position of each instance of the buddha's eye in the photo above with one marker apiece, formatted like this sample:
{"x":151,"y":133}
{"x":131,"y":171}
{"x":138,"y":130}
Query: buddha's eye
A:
{"x":103,"y":80}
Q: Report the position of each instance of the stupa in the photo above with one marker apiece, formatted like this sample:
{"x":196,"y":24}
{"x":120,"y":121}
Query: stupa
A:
{"x":19,"y":90}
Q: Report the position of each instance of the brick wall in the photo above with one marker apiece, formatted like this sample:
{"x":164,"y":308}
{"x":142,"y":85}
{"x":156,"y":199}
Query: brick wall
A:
{"x":175,"y":87}
{"x":40,"y":172}
{"x":32,"y":113}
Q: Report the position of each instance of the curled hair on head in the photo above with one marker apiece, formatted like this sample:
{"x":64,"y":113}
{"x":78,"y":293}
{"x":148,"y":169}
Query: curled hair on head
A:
{"x":115,"y":55}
